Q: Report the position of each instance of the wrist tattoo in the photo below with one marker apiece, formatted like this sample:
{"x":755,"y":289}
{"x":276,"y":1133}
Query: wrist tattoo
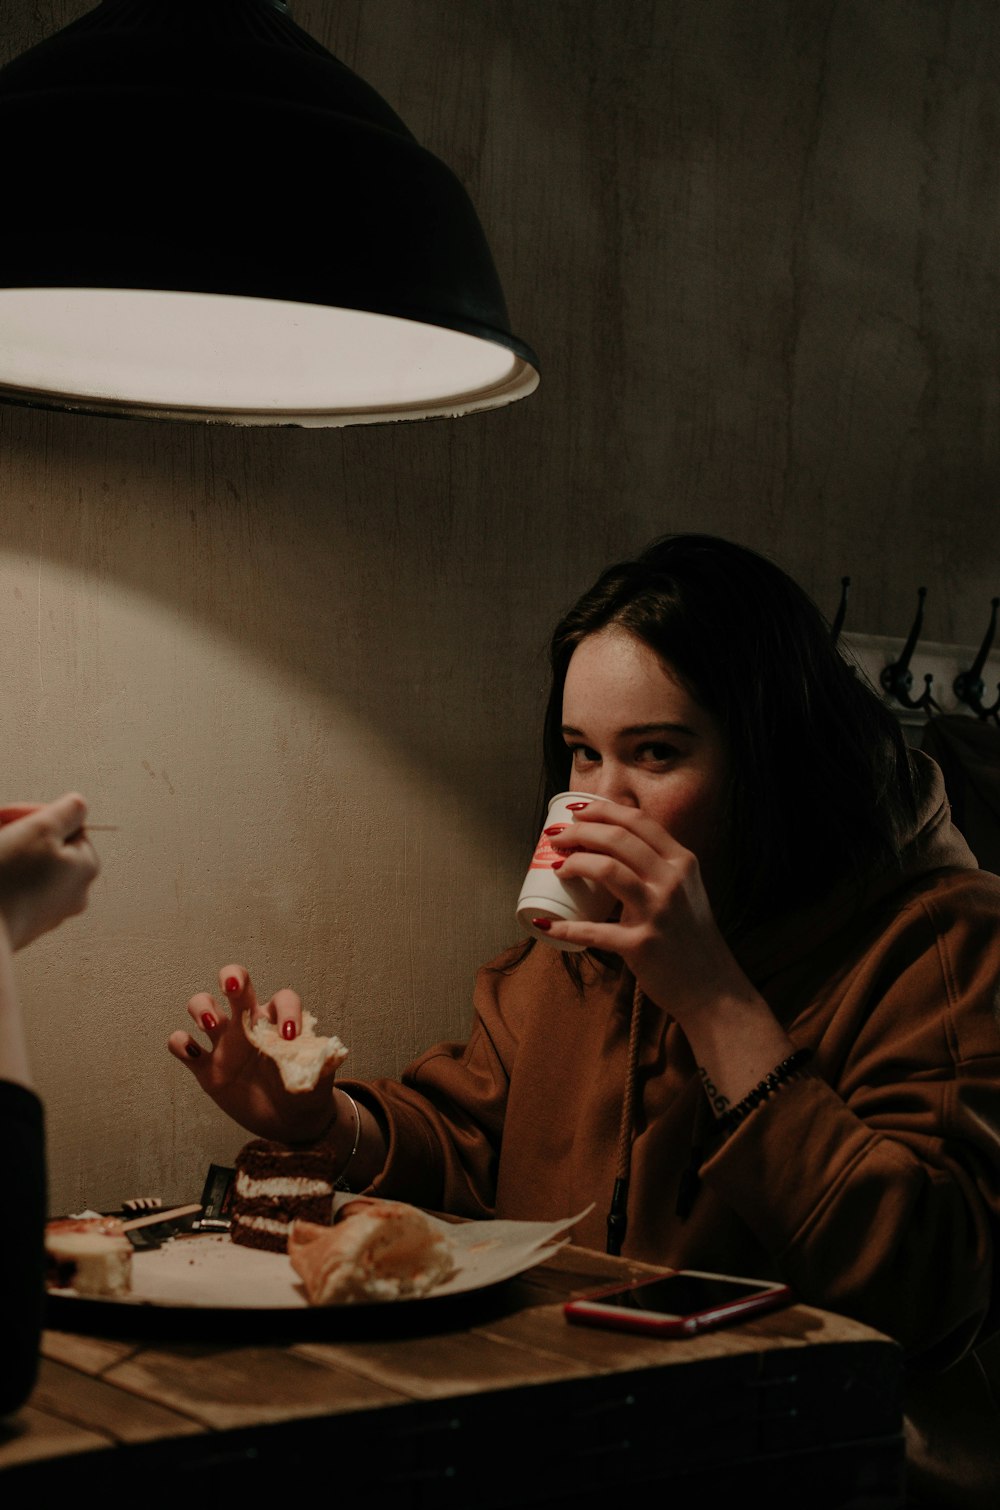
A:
{"x":720,"y":1103}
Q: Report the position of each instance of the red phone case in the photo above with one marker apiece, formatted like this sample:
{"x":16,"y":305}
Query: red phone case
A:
{"x":587,"y":1311}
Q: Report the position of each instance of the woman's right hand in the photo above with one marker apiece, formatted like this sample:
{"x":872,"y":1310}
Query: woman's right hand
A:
{"x":245,"y":1083}
{"x":46,"y":866}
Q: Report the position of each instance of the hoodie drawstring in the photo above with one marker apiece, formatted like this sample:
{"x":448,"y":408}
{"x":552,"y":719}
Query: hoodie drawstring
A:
{"x":690,"y":1177}
{"x":618,"y":1210}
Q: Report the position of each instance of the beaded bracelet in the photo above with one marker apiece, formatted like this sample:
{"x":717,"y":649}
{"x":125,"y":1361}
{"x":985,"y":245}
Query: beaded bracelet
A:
{"x":770,"y":1083}
{"x":340,"y":1183}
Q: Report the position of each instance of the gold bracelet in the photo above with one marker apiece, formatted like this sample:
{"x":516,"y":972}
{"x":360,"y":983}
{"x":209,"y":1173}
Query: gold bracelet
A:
{"x":340,"y":1183}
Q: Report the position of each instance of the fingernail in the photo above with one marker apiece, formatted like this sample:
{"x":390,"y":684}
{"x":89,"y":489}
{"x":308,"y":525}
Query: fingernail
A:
{"x":192,"y":1051}
{"x":232,"y":985}
{"x":543,"y":923}
{"x":208,"y":1022}
{"x":558,"y":864}
{"x":576,"y":807}
{"x":288,"y":1029}
{"x":556,"y":828}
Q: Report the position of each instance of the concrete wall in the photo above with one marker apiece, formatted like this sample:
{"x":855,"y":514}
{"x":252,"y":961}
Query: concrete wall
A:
{"x":756,"y":247}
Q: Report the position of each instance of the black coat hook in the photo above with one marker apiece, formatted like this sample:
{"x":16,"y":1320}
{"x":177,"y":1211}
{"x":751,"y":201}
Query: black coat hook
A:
{"x":838,"y":623}
{"x":969,"y":686}
{"x":897,"y":679}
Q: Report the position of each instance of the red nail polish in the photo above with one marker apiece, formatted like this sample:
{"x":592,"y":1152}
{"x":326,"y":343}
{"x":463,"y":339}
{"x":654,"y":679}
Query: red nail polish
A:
{"x":208,"y":1022}
{"x":232,"y":986}
{"x":288,"y":1029}
{"x":192,"y":1051}
{"x":556,"y":828}
{"x":543,"y":923}
{"x":558,"y":864}
{"x":576,"y":807}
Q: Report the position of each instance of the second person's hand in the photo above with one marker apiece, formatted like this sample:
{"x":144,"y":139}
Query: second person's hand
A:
{"x":46,"y":866}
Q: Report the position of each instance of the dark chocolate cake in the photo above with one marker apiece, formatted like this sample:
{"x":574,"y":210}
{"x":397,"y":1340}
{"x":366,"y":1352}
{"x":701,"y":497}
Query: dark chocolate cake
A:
{"x":274,"y":1186}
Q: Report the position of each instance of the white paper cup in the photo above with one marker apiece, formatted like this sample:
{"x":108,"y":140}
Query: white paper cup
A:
{"x":546,"y":895}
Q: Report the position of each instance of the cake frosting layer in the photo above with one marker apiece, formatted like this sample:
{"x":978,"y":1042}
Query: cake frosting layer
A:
{"x":274,"y":1186}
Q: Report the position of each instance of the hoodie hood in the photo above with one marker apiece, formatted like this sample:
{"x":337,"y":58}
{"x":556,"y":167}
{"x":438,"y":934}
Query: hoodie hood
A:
{"x":933,"y":845}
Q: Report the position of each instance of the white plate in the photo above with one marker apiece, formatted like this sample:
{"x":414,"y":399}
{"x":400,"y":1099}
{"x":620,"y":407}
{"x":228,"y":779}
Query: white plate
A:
{"x":211,"y":1272}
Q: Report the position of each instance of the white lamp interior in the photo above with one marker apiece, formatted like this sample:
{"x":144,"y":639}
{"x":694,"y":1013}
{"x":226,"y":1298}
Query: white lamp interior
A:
{"x":226,"y":352}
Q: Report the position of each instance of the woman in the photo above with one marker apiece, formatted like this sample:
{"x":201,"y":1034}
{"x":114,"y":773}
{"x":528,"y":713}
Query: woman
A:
{"x":46,"y":867}
{"x":781,"y":1055}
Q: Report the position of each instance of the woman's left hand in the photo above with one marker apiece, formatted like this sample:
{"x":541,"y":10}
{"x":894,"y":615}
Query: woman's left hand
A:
{"x":667,"y":935}
{"x":666,"y":931}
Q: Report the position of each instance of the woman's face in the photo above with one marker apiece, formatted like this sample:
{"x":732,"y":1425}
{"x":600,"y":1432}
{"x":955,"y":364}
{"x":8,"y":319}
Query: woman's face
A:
{"x":636,"y":736}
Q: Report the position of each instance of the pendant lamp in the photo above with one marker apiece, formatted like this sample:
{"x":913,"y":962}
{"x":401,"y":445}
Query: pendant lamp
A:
{"x":207,"y":216}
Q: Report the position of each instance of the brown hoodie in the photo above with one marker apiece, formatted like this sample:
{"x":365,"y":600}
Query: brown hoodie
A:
{"x":871,"y":1184}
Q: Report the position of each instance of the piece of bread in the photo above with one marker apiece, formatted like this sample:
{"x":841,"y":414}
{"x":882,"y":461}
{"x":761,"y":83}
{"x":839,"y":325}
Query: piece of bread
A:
{"x":376,"y":1250}
{"x":90,"y":1255}
{"x":300,"y":1060}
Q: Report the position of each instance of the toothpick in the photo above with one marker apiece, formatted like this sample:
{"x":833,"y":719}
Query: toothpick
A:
{"x":159,"y":1216}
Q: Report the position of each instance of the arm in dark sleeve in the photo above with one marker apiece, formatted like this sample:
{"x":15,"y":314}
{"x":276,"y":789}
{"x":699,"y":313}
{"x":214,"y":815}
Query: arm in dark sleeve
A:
{"x":445,"y":1116}
{"x":445,"y":1122}
{"x":876,"y":1184}
{"x":21,"y":1252}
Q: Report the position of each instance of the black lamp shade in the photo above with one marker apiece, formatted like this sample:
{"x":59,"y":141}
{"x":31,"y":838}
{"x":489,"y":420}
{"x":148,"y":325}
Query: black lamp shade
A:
{"x":211,"y":154}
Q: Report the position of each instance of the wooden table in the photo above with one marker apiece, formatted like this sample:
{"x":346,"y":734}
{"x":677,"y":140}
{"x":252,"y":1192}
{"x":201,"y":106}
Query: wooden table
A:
{"x":484,"y":1401}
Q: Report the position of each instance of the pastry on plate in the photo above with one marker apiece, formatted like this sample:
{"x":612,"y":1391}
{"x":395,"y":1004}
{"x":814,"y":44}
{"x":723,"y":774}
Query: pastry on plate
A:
{"x":90,"y":1255}
{"x":375,"y":1250}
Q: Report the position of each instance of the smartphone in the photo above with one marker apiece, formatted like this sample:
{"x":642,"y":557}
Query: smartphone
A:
{"x":679,"y":1304}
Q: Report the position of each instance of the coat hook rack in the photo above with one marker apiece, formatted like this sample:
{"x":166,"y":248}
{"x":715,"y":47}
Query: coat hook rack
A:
{"x":897,"y":679}
{"x":838,"y":623}
{"x":969,"y":686}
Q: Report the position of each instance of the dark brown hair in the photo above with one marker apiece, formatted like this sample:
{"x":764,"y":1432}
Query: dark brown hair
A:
{"x":821,"y":786}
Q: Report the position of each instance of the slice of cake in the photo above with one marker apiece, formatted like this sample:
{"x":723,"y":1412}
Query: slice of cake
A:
{"x":275,"y":1185}
{"x":90,"y":1255}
